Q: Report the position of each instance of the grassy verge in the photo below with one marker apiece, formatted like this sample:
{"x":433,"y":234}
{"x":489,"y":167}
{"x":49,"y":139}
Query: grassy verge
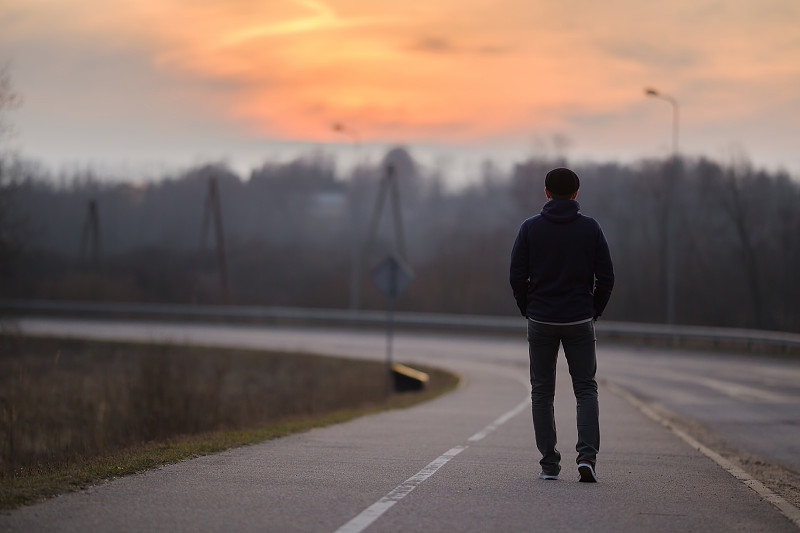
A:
{"x":76,"y":413}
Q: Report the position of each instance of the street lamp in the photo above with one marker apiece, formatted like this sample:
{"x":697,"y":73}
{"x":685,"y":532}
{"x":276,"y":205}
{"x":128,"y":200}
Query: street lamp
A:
{"x":649,"y":91}
{"x":669,"y":232}
{"x":355,"y":251}
{"x":338,"y":127}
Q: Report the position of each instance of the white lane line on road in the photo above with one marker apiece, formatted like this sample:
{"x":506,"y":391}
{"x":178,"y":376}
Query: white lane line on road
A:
{"x":374,"y":511}
{"x":738,"y":391}
{"x":789,"y":511}
{"x":502,"y":419}
{"x":744,"y":392}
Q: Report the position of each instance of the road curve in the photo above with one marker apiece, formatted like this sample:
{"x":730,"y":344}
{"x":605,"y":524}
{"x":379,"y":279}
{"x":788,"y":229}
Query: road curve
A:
{"x":463,"y":462}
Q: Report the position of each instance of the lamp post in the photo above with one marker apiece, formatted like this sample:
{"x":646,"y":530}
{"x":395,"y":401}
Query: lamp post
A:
{"x":338,"y":127}
{"x":675,"y":115}
{"x":669,"y":254}
{"x":355,"y":252}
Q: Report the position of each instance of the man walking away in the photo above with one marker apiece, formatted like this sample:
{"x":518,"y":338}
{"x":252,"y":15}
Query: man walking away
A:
{"x":562,"y":277}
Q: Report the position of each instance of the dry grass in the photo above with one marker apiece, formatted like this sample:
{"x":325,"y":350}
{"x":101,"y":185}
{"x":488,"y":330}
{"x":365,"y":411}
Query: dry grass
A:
{"x":77,"y":412}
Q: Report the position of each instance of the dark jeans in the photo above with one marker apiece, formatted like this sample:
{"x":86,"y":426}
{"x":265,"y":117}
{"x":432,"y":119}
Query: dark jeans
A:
{"x":579,"y":347}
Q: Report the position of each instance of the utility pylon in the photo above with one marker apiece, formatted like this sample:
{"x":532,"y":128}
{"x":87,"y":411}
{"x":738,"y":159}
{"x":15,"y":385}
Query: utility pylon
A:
{"x":90,"y":238}
{"x":388,"y":186}
{"x":213,"y":210}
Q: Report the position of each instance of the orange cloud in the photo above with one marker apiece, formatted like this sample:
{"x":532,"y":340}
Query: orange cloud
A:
{"x":451,"y":70}
{"x":389,"y":73}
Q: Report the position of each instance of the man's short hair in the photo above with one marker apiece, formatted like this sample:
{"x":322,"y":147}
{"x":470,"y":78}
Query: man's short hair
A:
{"x":562,"y":183}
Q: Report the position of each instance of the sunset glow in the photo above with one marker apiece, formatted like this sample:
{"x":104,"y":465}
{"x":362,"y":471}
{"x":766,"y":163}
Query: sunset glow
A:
{"x":446,"y":71}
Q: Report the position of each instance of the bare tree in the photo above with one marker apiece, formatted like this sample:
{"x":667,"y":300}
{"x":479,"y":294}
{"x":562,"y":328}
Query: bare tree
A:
{"x":9,"y":99}
{"x":737,"y":182}
{"x":9,"y":226}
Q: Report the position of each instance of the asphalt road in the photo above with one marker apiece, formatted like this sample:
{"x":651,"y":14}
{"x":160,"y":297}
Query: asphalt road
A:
{"x":465,"y":461}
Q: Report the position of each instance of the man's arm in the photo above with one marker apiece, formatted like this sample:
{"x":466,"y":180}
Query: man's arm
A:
{"x":519,"y":274}
{"x":603,"y":273}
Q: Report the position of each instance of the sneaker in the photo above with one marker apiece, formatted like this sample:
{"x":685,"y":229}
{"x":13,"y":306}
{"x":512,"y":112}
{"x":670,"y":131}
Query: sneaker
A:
{"x":586,"y":473}
{"x":553,"y":477}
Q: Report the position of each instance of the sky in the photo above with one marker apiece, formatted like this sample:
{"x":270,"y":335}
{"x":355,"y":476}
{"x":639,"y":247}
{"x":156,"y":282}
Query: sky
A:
{"x":138,"y":86}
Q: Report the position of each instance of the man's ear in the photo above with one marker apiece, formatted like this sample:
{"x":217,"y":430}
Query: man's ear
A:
{"x":547,"y":193}
{"x":575,"y":195}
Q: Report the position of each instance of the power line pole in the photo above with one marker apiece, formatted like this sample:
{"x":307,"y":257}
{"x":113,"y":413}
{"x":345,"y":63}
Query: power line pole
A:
{"x":355,"y":251}
{"x":388,"y":186}
{"x":213,"y":210}
{"x":355,"y":256}
{"x":90,"y":237}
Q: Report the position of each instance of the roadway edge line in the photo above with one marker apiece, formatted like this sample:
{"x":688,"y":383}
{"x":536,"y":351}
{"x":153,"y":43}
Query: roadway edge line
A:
{"x":787,"y":509}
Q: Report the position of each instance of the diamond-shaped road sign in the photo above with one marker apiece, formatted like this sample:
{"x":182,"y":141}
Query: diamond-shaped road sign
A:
{"x":392,"y":276}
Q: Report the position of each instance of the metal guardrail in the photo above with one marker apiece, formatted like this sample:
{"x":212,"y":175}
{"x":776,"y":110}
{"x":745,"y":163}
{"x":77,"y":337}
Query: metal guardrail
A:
{"x":259,"y":314}
{"x":752,"y":340}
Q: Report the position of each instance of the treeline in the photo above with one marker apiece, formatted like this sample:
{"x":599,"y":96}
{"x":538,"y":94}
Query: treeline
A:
{"x":295,"y":235}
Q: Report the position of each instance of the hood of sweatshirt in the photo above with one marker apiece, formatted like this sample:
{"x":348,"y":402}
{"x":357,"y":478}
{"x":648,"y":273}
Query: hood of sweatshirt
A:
{"x":561,"y":211}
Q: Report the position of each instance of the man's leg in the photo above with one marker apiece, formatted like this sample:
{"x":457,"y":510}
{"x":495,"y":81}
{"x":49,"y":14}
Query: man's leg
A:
{"x":543,"y":352}
{"x":579,"y":348}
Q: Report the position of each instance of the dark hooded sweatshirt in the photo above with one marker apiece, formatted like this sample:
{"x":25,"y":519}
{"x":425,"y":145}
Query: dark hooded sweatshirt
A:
{"x":561,"y":268}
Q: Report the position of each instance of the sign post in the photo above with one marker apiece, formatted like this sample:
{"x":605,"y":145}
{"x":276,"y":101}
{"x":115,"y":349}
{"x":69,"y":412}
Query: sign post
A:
{"x":392,"y":276}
